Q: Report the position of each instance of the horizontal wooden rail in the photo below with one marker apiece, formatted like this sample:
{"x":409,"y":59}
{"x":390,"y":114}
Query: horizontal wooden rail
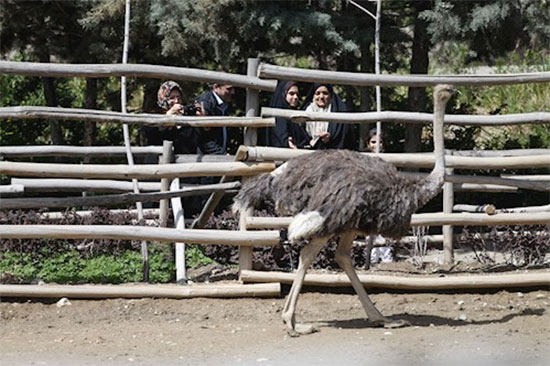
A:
{"x":112,"y":232}
{"x":134,"y":70}
{"x":543,"y":208}
{"x":485,"y":180}
{"x":80,"y":185}
{"x":148,"y":213}
{"x":502,"y":153}
{"x":136,"y":171}
{"x":407,"y":117}
{"x":425,"y":160}
{"x":428,"y":283}
{"x":158,"y":120}
{"x":195,"y":158}
{"x":355,"y":78}
{"x":12,"y":189}
{"x":429,"y":219}
{"x":112,"y":199}
{"x":490,"y":188}
{"x":76,"y":151}
{"x":125,"y":291}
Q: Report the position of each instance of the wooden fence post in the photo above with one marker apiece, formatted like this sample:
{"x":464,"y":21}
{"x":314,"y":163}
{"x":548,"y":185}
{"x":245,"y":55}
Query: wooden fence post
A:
{"x":252,"y":103}
{"x":165,"y":158}
{"x":245,"y":253}
{"x":250,"y":139}
{"x":448,"y":202}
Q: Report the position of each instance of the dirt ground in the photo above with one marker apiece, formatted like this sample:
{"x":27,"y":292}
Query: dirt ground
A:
{"x":492,"y":328}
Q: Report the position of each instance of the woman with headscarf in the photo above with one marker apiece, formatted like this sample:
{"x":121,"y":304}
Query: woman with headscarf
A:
{"x":185,"y":138}
{"x":286,"y":96}
{"x":322,"y":135}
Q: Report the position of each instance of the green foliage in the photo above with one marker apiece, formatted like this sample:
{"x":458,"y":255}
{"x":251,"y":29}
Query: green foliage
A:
{"x":72,"y":267}
{"x":110,"y":269}
{"x":18,"y":264}
{"x":62,"y":268}
{"x":194,"y":257}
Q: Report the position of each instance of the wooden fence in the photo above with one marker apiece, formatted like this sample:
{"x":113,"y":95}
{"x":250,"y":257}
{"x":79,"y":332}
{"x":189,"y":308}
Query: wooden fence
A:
{"x":249,"y":160}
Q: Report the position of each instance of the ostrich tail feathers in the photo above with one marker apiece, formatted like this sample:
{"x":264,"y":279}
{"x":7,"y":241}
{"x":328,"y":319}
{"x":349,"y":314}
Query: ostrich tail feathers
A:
{"x":254,"y":193}
{"x":305,"y":225}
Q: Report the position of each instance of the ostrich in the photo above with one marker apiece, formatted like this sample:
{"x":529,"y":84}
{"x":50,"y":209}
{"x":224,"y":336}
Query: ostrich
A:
{"x":344,"y":193}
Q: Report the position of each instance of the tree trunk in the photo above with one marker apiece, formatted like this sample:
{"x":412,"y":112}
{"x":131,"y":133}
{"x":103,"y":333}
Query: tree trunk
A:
{"x":149,"y":106}
{"x":50,"y":97}
{"x":90,"y":102}
{"x":419,"y":65}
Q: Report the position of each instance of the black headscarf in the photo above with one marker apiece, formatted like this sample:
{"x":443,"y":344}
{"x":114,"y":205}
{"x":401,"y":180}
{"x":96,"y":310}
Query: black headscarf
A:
{"x":341,"y":134}
{"x":278,"y":135}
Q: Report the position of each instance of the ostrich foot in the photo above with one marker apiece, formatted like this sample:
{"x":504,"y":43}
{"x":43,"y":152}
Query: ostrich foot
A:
{"x":301,"y":329}
{"x":390,"y":323}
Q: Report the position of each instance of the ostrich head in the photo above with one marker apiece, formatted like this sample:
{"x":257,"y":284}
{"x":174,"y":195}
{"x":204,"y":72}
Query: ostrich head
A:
{"x":433,"y":183}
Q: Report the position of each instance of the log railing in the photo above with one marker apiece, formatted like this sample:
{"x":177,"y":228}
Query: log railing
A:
{"x":364,"y":79}
{"x":408,"y":117}
{"x":255,"y":160}
{"x":134,"y":70}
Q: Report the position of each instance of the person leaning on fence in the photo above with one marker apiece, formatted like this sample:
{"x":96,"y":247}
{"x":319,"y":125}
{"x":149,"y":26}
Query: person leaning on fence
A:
{"x":215,"y":102}
{"x":286,"y":96}
{"x":373,"y":139}
{"x":185,"y":138}
{"x":322,"y":135}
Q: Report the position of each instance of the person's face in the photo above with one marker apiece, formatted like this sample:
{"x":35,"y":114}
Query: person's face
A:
{"x":225,"y":92}
{"x":292,"y":96}
{"x":372,"y":144}
{"x":174,"y":98}
{"x":321,"y":97}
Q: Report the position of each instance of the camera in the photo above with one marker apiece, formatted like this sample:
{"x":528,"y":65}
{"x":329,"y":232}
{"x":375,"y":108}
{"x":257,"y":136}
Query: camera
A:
{"x":189,"y":110}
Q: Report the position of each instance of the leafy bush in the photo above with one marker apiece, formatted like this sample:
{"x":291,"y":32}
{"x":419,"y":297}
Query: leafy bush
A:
{"x":71,"y":267}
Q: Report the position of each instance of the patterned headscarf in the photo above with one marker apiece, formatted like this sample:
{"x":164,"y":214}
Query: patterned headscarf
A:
{"x":164,"y":92}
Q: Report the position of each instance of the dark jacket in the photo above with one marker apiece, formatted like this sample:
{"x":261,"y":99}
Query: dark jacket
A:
{"x":213,"y":140}
{"x":278,"y":136}
{"x":341,"y":134}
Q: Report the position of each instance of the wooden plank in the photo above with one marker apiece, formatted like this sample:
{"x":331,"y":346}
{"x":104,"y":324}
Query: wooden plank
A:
{"x":156,"y":120}
{"x":165,"y":158}
{"x":111,"y":199}
{"x":80,"y":185}
{"x":125,"y":291}
{"x":429,"y":219}
{"x":134,"y":70}
{"x":179,"y":220}
{"x":12,"y":190}
{"x":77,"y":151}
{"x":112,"y":232}
{"x":364,"y":79}
{"x":299,"y":116}
{"x":424,"y":160}
{"x":152,"y":171}
{"x":427,"y":283}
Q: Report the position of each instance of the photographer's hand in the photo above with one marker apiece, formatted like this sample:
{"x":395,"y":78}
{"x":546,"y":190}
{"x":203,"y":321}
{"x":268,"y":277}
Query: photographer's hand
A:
{"x":176,"y":110}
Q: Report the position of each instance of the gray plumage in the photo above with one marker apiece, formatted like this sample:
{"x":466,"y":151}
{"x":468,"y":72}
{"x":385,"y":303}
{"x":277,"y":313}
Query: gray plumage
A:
{"x":351,"y":191}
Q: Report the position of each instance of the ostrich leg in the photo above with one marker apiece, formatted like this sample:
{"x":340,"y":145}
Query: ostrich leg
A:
{"x":343,"y":258}
{"x":307,"y":256}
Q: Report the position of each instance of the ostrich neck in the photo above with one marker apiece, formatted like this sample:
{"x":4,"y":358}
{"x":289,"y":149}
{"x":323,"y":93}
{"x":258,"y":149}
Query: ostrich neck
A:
{"x":433,"y":183}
